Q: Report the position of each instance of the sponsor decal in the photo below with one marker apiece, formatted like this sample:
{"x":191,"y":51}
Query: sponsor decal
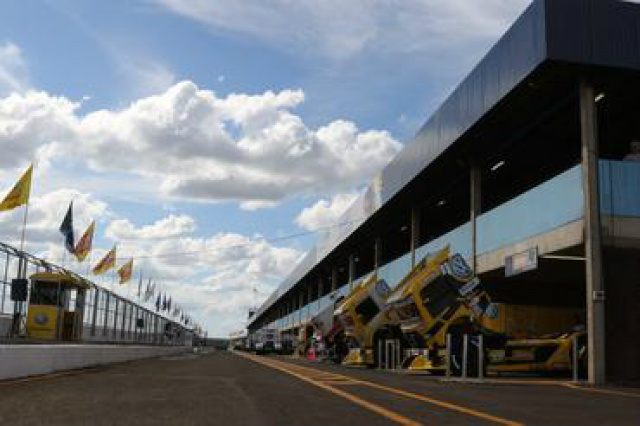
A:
{"x":491,"y":311}
{"x":382,"y":288}
{"x":41,"y":319}
{"x":458,"y":267}
{"x":469,"y":287}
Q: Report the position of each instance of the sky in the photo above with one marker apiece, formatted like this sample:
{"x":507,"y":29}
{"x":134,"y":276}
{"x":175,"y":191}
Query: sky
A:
{"x":214,"y":141}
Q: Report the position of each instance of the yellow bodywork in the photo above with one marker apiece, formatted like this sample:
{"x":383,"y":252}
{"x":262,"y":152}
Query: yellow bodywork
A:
{"x":42,"y":322}
{"x":523,"y":321}
{"x":53,"y":321}
{"x":354,"y":324}
{"x":411,"y":286}
{"x":63,"y":279}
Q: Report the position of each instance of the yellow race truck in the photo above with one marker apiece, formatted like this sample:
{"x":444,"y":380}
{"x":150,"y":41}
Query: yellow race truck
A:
{"x":362,"y":317}
{"x":441,"y":296}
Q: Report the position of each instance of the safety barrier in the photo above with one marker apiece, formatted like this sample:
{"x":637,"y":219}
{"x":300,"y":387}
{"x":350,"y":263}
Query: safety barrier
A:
{"x":107,"y":316}
{"x":31,"y":360}
{"x":479,"y":342}
{"x":389,"y":354}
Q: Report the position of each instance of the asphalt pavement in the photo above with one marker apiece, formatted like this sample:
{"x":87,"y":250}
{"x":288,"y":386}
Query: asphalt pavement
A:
{"x":223,"y":388}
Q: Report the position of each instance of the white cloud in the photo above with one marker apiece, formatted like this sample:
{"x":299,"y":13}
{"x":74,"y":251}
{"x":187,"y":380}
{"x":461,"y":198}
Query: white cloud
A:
{"x":45,"y":216}
{"x":340,"y":29}
{"x":325,"y":213}
{"x":192,"y":144}
{"x":218,"y":278}
{"x":13,"y":71}
{"x":170,"y":226}
{"x":33,"y":122}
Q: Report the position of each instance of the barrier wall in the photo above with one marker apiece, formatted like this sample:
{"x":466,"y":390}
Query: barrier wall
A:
{"x":5,"y":324}
{"x":30,"y":360}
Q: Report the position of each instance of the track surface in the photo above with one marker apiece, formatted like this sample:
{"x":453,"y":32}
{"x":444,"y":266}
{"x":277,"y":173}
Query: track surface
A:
{"x":222,"y":388}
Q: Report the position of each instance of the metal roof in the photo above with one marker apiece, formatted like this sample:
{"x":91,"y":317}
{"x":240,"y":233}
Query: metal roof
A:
{"x":582,"y":32}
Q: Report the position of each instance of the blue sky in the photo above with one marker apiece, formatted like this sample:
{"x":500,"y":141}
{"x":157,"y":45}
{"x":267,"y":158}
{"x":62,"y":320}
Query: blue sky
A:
{"x":212,"y":126}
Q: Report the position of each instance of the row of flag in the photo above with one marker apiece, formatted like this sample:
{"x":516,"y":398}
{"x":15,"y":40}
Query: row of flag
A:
{"x":19,"y":196}
{"x":82,"y":249}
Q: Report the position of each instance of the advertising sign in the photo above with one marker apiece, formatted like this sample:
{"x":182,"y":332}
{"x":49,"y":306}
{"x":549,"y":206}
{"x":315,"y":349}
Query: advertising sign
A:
{"x":521,"y":262}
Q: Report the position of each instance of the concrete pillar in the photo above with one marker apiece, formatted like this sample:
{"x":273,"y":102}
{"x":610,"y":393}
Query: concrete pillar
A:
{"x":476,"y":208}
{"x":377,"y":254}
{"x":352,"y":271}
{"x":592,"y":229}
{"x":415,"y":234}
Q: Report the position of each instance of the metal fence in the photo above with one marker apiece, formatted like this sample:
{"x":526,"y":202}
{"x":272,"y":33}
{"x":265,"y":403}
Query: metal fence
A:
{"x":108,"y":317}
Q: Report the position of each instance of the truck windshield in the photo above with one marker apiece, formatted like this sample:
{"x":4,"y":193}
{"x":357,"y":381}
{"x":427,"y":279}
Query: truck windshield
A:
{"x":438,"y":295}
{"x":367,"y":309}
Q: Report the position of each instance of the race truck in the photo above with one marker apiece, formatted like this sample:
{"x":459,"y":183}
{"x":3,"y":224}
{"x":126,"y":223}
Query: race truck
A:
{"x":265,"y":340}
{"x":328,"y":332}
{"x":363,"y":319}
{"x":441,"y":296}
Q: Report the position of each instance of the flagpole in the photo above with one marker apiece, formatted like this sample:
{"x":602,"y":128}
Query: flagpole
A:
{"x":24,"y":225}
{"x":64,"y":252}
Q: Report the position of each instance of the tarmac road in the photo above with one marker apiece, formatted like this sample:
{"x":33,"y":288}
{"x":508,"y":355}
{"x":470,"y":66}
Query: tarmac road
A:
{"x":223,"y":388}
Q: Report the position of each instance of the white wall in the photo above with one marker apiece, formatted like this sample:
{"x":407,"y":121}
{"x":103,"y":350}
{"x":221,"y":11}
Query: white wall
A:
{"x":30,"y":360}
{"x":5,"y":324}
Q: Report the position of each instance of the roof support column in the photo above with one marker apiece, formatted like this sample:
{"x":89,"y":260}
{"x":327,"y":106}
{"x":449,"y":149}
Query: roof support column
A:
{"x":476,"y":208}
{"x":352,"y":271}
{"x":319,"y":292}
{"x":592,"y":243}
{"x":415,"y":234}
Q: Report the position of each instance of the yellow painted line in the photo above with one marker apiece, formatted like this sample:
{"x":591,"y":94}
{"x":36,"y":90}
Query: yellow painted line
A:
{"x":393,"y":416}
{"x":444,"y":404}
{"x":338,"y":382}
{"x":600,"y":390}
{"x":406,"y":394}
{"x":433,"y":401}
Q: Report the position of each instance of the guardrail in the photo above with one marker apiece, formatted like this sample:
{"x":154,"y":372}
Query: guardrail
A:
{"x":108,"y":317}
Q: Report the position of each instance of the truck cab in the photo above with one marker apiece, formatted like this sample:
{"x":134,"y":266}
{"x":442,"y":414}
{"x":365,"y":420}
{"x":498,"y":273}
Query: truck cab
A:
{"x":362,"y":317}
{"x":440,"y":295}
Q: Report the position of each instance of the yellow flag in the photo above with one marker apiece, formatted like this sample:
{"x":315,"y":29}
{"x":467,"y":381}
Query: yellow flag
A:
{"x":106,"y":263}
{"x":84,"y":245}
{"x":19,"y":195}
{"x":126,"y":271}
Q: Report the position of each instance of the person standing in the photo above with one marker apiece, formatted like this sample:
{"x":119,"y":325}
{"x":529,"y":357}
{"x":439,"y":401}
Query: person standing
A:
{"x":634,"y":151}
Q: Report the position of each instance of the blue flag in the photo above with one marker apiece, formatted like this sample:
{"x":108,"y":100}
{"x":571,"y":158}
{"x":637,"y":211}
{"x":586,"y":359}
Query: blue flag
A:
{"x":66,"y":228}
{"x":158,"y":303}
